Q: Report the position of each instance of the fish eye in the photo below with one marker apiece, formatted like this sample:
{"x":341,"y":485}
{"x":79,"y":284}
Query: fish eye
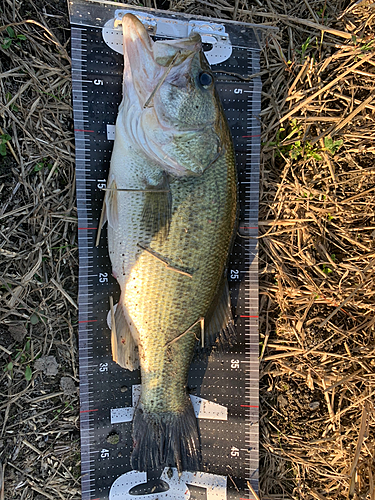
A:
{"x":205,"y":79}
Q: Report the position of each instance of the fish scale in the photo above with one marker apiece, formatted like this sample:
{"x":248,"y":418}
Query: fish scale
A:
{"x":183,"y":298}
{"x":168,"y":146}
{"x":232,"y":380}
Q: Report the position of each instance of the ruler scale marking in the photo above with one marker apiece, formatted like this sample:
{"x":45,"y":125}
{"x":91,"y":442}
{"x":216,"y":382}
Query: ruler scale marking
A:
{"x":94,"y":263}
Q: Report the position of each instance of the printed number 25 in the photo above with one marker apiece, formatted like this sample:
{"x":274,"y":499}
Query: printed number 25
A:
{"x":234,"y":274}
{"x":103,"y":277}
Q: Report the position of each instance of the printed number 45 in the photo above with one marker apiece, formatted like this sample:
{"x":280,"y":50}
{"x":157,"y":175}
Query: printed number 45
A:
{"x":234,"y":452}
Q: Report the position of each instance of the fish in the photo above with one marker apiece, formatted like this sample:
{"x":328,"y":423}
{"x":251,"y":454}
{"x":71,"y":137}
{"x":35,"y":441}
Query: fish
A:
{"x":171,"y":209}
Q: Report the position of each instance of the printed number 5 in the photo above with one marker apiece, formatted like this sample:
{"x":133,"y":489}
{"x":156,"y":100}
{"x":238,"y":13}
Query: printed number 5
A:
{"x":104,"y":453}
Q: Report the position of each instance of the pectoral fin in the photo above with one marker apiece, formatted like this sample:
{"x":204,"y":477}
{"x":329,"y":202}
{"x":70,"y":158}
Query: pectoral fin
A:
{"x":157,"y":209}
{"x":109,"y":210}
{"x":124,"y":347}
{"x":111,"y":204}
{"x":102,"y":221}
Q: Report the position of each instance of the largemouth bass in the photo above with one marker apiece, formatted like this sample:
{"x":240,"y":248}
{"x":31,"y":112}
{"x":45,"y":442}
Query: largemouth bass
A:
{"x":171,"y":204}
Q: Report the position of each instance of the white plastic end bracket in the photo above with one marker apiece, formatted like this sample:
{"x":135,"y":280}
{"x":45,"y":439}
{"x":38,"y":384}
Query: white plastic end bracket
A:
{"x":213,"y":34}
{"x":202,"y":408}
{"x":214,"y":485}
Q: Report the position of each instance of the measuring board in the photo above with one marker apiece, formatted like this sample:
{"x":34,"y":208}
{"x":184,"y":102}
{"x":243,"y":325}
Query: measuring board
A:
{"x":223,"y":387}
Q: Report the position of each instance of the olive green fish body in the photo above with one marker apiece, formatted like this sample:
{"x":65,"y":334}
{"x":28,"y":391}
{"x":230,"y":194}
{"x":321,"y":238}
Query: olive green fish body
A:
{"x":171,"y":209}
{"x":173,"y":285}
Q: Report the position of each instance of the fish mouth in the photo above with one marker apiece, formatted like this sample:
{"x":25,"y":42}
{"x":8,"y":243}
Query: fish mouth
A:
{"x":147,"y":63}
{"x":159,"y":78}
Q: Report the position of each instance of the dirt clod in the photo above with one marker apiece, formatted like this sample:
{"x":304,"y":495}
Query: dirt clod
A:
{"x":68,"y":386}
{"x":48,"y":365}
{"x":17,"y":331}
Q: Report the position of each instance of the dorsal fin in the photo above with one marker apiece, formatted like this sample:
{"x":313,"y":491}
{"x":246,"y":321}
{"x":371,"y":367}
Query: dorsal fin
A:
{"x":219,"y":330}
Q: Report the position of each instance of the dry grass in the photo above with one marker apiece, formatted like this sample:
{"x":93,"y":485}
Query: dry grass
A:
{"x":38,"y":265}
{"x":317,"y":236}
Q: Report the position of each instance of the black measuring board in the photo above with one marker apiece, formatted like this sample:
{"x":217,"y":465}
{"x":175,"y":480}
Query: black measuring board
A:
{"x":224,"y":387}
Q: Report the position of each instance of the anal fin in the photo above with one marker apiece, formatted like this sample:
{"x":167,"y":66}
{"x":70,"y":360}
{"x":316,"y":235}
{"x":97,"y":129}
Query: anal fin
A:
{"x":124,"y":347}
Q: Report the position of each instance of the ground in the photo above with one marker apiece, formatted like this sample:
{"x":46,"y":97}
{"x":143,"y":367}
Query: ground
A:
{"x":317,"y":249}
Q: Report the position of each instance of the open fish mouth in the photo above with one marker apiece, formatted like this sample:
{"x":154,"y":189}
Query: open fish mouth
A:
{"x":169,"y":110}
{"x":148,"y":64}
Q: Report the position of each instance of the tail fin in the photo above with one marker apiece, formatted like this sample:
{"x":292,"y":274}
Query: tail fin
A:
{"x":166,"y":440}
